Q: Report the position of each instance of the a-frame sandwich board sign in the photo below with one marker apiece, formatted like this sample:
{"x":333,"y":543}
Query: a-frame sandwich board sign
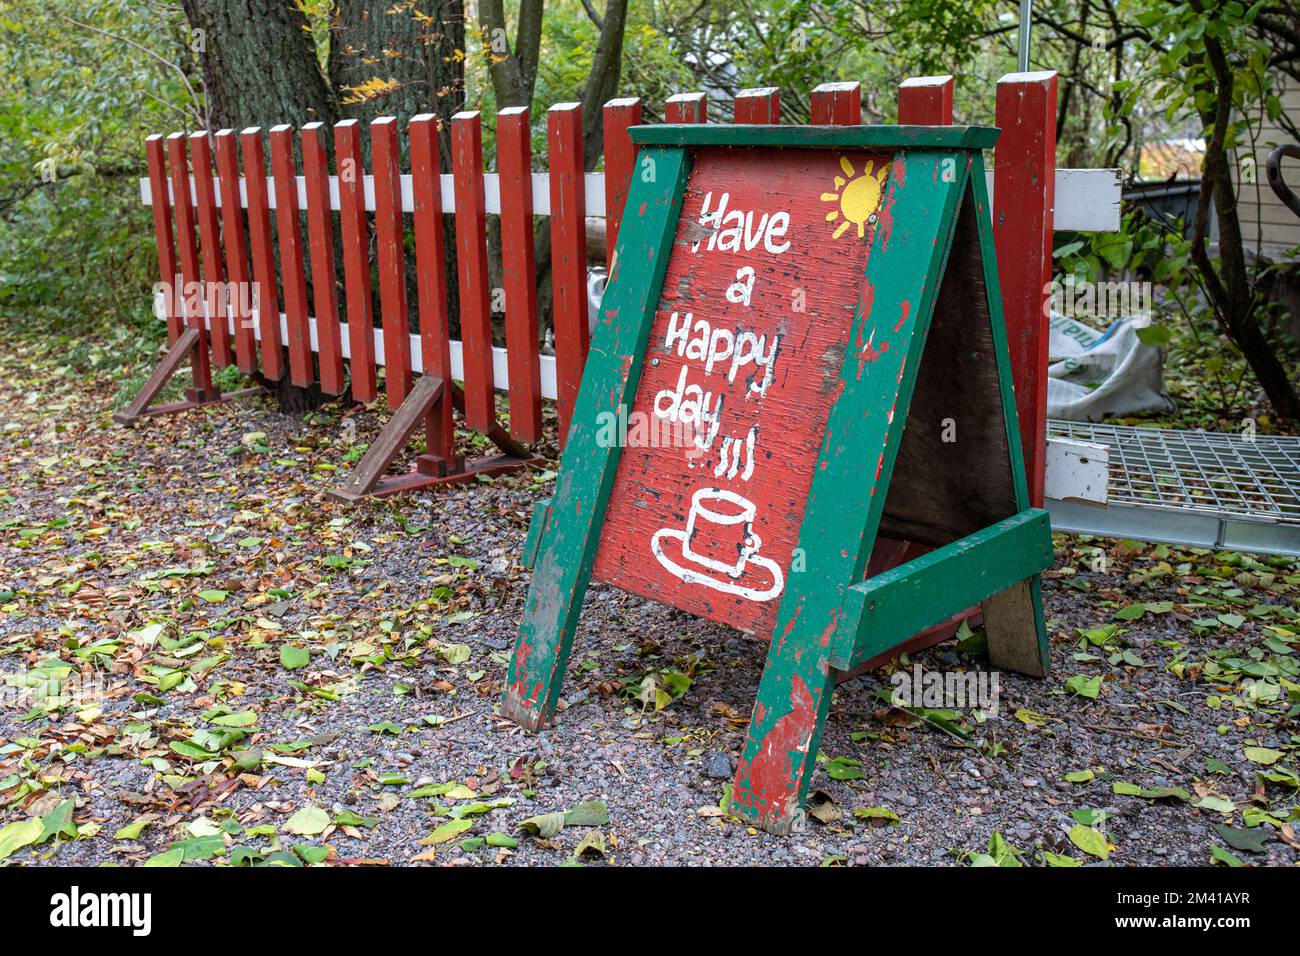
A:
{"x":800,"y":353}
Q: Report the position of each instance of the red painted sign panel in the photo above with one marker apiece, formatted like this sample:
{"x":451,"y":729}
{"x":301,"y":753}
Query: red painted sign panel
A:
{"x":743,"y":360}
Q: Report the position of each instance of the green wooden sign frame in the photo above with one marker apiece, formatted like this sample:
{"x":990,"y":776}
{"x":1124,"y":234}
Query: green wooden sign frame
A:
{"x":836,"y":620}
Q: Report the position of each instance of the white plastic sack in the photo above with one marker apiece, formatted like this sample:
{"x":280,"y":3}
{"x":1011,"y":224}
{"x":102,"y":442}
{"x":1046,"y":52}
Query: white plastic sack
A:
{"x":1092,"y":375}
{"x":597,"y":277}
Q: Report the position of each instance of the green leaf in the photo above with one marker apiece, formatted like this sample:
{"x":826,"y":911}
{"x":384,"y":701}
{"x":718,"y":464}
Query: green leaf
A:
{"x":349,"y":819}
{"x":502,"y":840}
{"x":592,"y":813}
{"x":1084,"y":686}
{"x":1239,"y":838}
{"x":1151,"y":793}
{"x":292,"y":658}
{"x":172,"y":857}
{"x":15,"y":836}
{"x":1079,"y":776}
{"x":58,"y":822}
{"x":844,"y":768}
{"x":1090,"y":841}
{"x":448,"y":831}
{"x":246,"y":718}
{"x":1263,"y":755}
{"x":309,"y":821}
{"x":214,"y":596}
{"x":1218,"y":804}
{"x":1223,"y":856}
{"x":1056,"y":859}
{"x":132,"y":831}
{"x":888,"y":817}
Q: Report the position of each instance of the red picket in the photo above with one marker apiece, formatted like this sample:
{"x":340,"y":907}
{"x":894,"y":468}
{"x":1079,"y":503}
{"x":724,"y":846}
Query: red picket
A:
{"x":356,"y":259}
{"x":320,"y":233}
{"x":293,"y":276}
{"x":214,"y":273}
{"x":431,"y":275}
{"x":514,"y":164}
{"x":686,"y":108}
{"x":568,"y":255}
{"x":1024,"y":181}
{"x":183,"y":206}
{"x":394,"y":316}
{"x":263,"y":253}
{"x":471,"y":255}
{"x":232,"y":231}
{"x":162,"y":232}
{"x":761,"y":105}
{"x":925,"y":101}
{"x":620,"y":158}
{"x":837,"y":104}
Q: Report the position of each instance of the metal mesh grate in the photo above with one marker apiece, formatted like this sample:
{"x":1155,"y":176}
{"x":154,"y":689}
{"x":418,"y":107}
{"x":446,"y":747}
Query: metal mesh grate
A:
{"x":1198,"y":471}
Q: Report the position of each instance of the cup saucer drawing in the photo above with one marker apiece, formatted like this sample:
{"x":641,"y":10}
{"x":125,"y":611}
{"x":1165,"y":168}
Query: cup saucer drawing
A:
{"x":718,"y":548}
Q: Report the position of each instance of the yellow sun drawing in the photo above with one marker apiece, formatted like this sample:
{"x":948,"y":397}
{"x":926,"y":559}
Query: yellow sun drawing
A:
{"x":858,"y":196}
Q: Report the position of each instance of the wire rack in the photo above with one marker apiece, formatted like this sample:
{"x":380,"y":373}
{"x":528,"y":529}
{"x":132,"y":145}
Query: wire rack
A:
{"x":1205,"y":472}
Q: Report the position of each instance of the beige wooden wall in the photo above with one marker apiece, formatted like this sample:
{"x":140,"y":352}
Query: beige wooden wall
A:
{"x":1268,"y":226}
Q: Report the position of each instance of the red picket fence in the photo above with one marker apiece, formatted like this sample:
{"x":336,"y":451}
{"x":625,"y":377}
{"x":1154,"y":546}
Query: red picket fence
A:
{"x":210,"y":209}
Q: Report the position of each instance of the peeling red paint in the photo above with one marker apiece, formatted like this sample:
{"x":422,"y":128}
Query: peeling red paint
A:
{"x":905,"y":311}
{"x":772,"y":775}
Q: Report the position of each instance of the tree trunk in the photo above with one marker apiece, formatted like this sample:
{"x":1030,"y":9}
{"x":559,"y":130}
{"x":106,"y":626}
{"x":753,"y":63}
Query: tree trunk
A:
{"x":417,"y":50}
{"x":259,"y":64}
{"x":260,"y":69}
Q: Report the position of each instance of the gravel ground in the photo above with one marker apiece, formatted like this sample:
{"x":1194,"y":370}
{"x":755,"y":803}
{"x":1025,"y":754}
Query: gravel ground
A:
{"x":213,"y":523}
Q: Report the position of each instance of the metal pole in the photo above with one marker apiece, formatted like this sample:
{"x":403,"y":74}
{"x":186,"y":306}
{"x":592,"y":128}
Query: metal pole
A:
{"x":1022,"y":44}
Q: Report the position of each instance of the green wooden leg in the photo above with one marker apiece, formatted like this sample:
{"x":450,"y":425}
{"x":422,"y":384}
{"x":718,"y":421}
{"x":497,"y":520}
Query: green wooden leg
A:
{"x":1017,"y":634}
{"x":781,"y":749}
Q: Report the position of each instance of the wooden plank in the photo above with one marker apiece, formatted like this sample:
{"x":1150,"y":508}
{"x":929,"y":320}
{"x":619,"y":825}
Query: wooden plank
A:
{"x":214,"y":273}
{"x":232,"y":232}
{"x":620,"y":156}
{"x":1013,"y":620}
{"x":320,"y":234}
{"x":739,"y":380}
{"x":183,"y":206}
{"x":925,"y":101}
{"x":262,"y":253}
{"x":879,"y":371}
{"x":568,"y":256}
{"x":514,"y":163}
{"x":758,"y":106}
{"x":1013,"y":625}
{"x":431,"y":273}
{"x":293,"y":274}
{"x":1025,"y":174}
{"x":180,"y":350}
{"x":356,"y":260}
{"x":471,"y":257}
{"x":686,"y":108}
{"x":394,"y":315}
{"x":155,"y":156}
{"x":392,"y":439}
{"x":1087,"y":200}
{"x":571,"y":536}
{"x":938,"y":584}
{"x":819,"y":137}
{"x":837,"y":104}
